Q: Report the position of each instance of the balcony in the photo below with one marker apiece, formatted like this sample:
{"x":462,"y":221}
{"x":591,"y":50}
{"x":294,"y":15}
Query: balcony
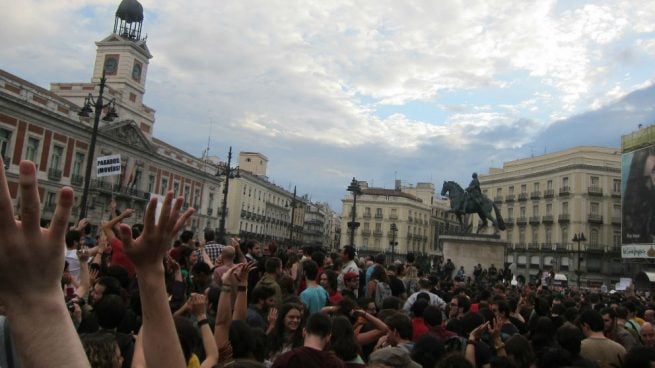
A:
{"x":521,"y":246}
{"x":243,"y":213}
{"x":393,"y":217}
{"x":595,"y":191}
{"x":77,"y":180}
{"x":564,"y":191}
{"x":210,"y":211}
{"x":533,"y":246}
{"x":54,"y":174}
{"x":535,"y":220}
{"x":561,"y":247}
{"x":616,"y":194}
{"x":7,"y":161}
{"x":564,"y":217}
{"x":549,"y":193}
{"x":377,"y":233}
{"x":366,"y":232}
{"x":498,"y":199}
{"x":509,"y":198}
{"x":595,"y":219}
{"x":509,"y":221}
{"x":367,"y":216}
{"x":523,"y":197}
{"x":521,"y":221}
{"x":378,"y":216}
{"x":616,"y":220}
{"x":535,"y":195}
{"x":547,"y":219}
{"x":547,"y":246}
{"x":595,"y":248}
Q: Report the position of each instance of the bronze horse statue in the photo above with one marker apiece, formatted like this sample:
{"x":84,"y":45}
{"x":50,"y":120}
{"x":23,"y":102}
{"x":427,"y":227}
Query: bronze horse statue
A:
{"x":483,"y":208}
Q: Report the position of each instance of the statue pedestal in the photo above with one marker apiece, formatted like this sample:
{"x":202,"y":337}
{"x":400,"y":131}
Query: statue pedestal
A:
{"x":470,"y":249}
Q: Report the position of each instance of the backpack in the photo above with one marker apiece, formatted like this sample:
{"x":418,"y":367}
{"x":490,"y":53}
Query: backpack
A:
{"x":382,"y":291}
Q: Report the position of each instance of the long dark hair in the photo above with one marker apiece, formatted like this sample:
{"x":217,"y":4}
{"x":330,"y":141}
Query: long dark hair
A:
{"x":276,"y":339}
{"x":343,"y":341}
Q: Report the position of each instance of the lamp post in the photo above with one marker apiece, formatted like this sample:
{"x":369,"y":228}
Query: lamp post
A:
{"x":229,"y":173}
{"x":96,"y":106}
{"x":293,"y":205}
{"x":353,"y":225}
{"x":393,"y":242}
{"x":578,"y":238}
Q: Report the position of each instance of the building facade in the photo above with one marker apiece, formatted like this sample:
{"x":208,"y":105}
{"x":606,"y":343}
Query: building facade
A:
{"x":43,"y":126}
{"x":400,"y":220}
{"x":547,"y":200}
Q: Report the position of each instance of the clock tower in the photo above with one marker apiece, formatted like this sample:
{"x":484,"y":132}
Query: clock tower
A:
{"x":124,"y":57}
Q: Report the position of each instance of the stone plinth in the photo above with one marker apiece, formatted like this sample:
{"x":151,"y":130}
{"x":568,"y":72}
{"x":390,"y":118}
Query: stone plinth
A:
{"x":470,"y":249}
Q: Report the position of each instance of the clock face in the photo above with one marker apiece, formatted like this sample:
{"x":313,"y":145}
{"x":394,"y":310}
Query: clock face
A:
{"x":136,"y":72}
{"x":111,"y":63}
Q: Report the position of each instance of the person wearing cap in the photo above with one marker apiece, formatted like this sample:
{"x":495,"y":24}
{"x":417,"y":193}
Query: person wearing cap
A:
{"x":351,"y":283}
{"x":349,"y":265}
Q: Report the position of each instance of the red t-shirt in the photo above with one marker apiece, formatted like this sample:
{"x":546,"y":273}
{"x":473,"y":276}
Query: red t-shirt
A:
{"x":119,"y":258}
{"x":419,"y":328}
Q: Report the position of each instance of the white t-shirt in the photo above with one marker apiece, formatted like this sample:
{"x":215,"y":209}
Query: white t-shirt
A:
{"x":73,"y":263}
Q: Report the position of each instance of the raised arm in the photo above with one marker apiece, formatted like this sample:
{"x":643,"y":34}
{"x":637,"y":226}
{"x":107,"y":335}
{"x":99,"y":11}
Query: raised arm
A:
{"x":224,"y":309}
{"x":42,"y":328}
{"x":241,"y":303}
{"x":199,"y":310}
{"x":161,"y":346}
{"x":380,"y":328}
{"x":108,"y":226}
{"x":85,"y":278}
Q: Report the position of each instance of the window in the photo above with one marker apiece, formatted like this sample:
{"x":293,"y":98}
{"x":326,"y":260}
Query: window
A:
{"x":524,"y":188}
{"x":594,"y":238}
{"x":565,"y":235}
{"x":367,"y":211}
{"x":366,"y":226}
{"x":565,"y":207}
{"x":77,"y":164}
{"x":535,"y":235}
{"x":522,"y":211}
{"x":32,"y":149}
{"x":378,"y":212}
{"x":509,"y":235}
{"x":187,"y":193}
{"x":565,"y":181}
{"x":5,"y":140}
{"x":499,"y":191}
{"x":378,"y":227}
{"x":151,"y":183}
{"x":594,"y":208}
{"x":210,"y":201}
{"x":176,"y":188}
{"x":511,"y":189}
{"x":549,"y":184}
{"x":535,"y":210}
{"x":594,"y":181}
{"x":536,"y":186}
{"x":616,"y":210}
{"x":549,"y":235}
{"x":522,"y":236}
{"x":616,"y":185}
{"x":616,"y":239}
{"x":549,"y":208}
{"x":196,"y":198}
{"x":510,"y":212}
{"x":164,"y":186}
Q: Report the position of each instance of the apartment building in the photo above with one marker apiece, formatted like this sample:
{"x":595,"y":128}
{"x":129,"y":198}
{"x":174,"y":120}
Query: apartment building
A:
{"x":547,"y":200}
{"x":408,"y":215}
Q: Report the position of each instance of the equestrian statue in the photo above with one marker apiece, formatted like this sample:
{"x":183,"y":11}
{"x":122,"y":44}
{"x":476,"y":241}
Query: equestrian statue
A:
{"x":472,"y":200}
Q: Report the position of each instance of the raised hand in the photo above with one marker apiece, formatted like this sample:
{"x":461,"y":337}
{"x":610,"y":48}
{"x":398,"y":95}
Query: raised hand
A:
{"x":148,"y":250}
{"x":198,"y":305}
{"x":26,"y":249}
{"x":31,"y":262}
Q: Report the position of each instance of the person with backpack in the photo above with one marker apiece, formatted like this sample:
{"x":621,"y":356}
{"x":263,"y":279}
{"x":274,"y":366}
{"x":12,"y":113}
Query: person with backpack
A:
{"x":378,"y":287}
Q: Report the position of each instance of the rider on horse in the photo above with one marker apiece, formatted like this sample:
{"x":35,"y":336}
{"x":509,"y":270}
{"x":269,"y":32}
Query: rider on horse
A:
{"x":474,"y":194}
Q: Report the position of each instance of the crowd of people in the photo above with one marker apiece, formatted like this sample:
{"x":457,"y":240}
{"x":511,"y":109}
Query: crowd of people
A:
{"x":152,"y":295}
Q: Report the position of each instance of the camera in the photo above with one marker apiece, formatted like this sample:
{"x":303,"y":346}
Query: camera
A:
{"x":71,"y":304}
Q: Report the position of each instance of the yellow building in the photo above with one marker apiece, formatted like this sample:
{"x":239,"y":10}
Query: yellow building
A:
{"x":547,"y":200}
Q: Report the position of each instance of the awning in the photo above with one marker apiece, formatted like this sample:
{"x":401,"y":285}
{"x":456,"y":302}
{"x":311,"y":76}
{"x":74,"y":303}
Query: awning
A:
{"x":645,"y":280}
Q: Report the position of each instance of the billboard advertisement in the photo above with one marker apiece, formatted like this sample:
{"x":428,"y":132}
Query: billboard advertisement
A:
{"x":638,"y":207}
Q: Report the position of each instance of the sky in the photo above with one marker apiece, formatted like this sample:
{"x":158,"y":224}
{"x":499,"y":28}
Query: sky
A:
{"x":420,"y":91}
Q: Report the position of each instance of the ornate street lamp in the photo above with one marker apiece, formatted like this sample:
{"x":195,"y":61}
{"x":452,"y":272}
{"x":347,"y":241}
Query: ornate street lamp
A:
{"x":579,"y":238}
{"x":96,"y":106}
{"x":229,"y":173}
{"x":293,"y":204}
{"x":393,"y":242}
{"x":353,"y":225}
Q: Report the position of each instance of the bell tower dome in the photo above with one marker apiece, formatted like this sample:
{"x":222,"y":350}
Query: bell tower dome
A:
{"x":129,"y":19}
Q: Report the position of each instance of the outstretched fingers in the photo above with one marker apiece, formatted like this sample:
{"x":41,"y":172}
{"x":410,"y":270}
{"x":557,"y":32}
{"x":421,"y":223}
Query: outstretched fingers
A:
{"x":59,"y":224}
{"x":30,"y":207}
{"x":6,"y":207}
{"x":149,"y":217}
